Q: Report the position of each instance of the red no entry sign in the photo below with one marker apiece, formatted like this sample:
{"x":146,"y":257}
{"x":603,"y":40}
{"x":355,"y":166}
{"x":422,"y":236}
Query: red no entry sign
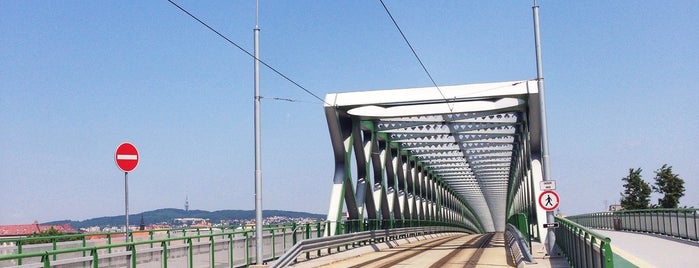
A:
{"x":126,"y":157}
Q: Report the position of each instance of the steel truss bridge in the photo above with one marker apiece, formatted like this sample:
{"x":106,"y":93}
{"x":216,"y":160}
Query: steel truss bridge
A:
{"x":409,"y":163}
{"x":465,"y":154}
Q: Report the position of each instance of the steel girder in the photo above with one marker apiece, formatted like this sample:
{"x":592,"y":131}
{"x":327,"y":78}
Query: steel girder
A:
{"x":459,"y":154}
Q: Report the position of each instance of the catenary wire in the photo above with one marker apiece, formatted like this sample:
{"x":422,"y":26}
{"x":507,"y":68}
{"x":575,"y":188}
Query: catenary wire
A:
{"x":415,"y":53}
{"x":282,"y":99}
{"x":247,"y":52}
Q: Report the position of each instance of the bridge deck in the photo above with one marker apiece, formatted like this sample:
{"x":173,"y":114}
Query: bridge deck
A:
{"x":647,"y":250}
{"x":446,"y":250}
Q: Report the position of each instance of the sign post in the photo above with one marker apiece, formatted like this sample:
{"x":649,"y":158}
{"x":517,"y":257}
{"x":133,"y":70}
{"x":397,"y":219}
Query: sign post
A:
{"x":126,"y":158}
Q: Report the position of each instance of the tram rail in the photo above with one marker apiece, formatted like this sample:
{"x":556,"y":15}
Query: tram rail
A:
{"x":457,"y":250}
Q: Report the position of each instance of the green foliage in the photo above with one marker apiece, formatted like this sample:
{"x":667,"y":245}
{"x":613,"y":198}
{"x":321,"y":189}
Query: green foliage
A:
{"x":636,"y":193}
{"x":47,"y":236}
{"x":670,"y":185}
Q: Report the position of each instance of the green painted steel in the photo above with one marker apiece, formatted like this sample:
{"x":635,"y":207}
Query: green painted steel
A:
{"x":582,"y":246}
{"x":519,"y":220}
{"x":163,"y":244}
{"x":108,"y":254}
{"x":247,"y":249}
{"x":54,"y":240}
{"x":190,"y":240}
{"x":133,"y":254}
{"x":681,"y":223}
{"x":19,"y":251}
{"x":385,"y":184}
{"x":191,"y":252}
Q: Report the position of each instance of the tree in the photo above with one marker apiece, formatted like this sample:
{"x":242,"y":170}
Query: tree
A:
{"x":636,"y":193}
{"x":670,"y":185}
{"x":51,"y":232}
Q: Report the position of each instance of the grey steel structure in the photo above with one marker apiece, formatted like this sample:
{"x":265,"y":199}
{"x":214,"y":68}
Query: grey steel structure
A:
{"x":465,"y":154}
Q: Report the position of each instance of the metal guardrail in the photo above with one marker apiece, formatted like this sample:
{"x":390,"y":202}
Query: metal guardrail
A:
{"x":516,"y":246}
{"x":582,"y":246}
{"x":338,"y":241}
{"x":679,"y":223}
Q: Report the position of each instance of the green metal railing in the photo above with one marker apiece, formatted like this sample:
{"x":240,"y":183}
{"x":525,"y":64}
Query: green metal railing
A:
{"x":583,"y":247}
{"x":680,"y":223}
{"x":28,"y":244}
{"x":70,"y":240}
{"x":204,"y":247}
{"x":177,"y":247}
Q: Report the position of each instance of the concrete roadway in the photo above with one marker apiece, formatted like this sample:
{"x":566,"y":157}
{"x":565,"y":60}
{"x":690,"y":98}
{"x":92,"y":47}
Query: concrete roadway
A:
{"x":439,"y":250}
{"x":442,"y":250}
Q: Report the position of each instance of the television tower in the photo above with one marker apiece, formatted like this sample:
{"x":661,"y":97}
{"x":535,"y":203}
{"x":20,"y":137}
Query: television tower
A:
{"x":186,"y":203}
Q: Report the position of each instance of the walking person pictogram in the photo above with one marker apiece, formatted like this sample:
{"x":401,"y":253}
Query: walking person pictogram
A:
{"x":549,"y":200}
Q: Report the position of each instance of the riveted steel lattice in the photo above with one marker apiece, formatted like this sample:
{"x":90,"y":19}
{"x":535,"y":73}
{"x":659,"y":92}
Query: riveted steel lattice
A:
{"x":459,"y":154}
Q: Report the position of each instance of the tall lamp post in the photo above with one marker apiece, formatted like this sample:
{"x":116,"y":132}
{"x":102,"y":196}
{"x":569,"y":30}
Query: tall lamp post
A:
{"x":546,"y":170}
{"x":258,"y":162}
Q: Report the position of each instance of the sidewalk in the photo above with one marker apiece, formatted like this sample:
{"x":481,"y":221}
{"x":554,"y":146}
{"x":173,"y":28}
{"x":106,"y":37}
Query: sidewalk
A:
{"x":648,"y":250}
{"x":544,"y":261}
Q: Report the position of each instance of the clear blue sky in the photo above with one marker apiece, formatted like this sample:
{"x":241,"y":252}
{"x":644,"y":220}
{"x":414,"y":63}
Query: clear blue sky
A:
{"x":77,"y":78}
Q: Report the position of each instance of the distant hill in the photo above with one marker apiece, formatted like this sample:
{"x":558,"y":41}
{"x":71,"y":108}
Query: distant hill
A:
{"x":169,"y":214}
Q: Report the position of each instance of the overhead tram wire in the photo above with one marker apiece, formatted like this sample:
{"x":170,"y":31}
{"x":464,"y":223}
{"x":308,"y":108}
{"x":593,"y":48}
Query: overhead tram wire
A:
{"x":451,"y":108}
{"x":247,"y":52}
{"x":282,"y":99}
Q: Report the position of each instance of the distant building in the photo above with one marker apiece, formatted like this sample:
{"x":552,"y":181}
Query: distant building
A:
{"x":192,"y":222}
{"x":615,"y":207}
{"x":24,"y":230}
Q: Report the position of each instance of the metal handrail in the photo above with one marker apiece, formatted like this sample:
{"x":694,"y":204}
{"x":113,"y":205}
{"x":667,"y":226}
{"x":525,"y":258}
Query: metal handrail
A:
{"x":49,"y":256}
{"x":515,"y":241}
{"x":680,"y":223}
{"x":582,"y":246}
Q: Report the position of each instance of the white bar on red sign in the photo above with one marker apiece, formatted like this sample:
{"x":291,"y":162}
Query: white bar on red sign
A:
{"x":127,"y":157}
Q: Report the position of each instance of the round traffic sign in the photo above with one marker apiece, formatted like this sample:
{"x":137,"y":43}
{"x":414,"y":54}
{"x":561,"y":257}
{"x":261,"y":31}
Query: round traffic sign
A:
{"x":549,"y":200}
{"x":126,"y":157}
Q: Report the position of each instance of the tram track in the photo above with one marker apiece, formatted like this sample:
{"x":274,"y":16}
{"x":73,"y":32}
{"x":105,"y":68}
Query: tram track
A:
{"x":462,"y":250}
{"x":480,"y":244}
{"x":406,"y":253}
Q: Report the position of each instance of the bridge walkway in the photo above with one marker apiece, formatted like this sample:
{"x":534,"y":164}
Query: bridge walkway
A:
{"x":649,"y":250}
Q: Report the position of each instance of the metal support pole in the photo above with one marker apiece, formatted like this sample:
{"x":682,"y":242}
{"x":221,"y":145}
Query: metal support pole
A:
{"x":258,"y":165}
{"x":546,"y":170}
{"x":126,"y":204}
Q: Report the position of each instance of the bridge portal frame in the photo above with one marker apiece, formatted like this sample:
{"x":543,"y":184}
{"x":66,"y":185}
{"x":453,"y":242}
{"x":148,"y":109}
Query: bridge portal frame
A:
{"x":491,"y":162}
